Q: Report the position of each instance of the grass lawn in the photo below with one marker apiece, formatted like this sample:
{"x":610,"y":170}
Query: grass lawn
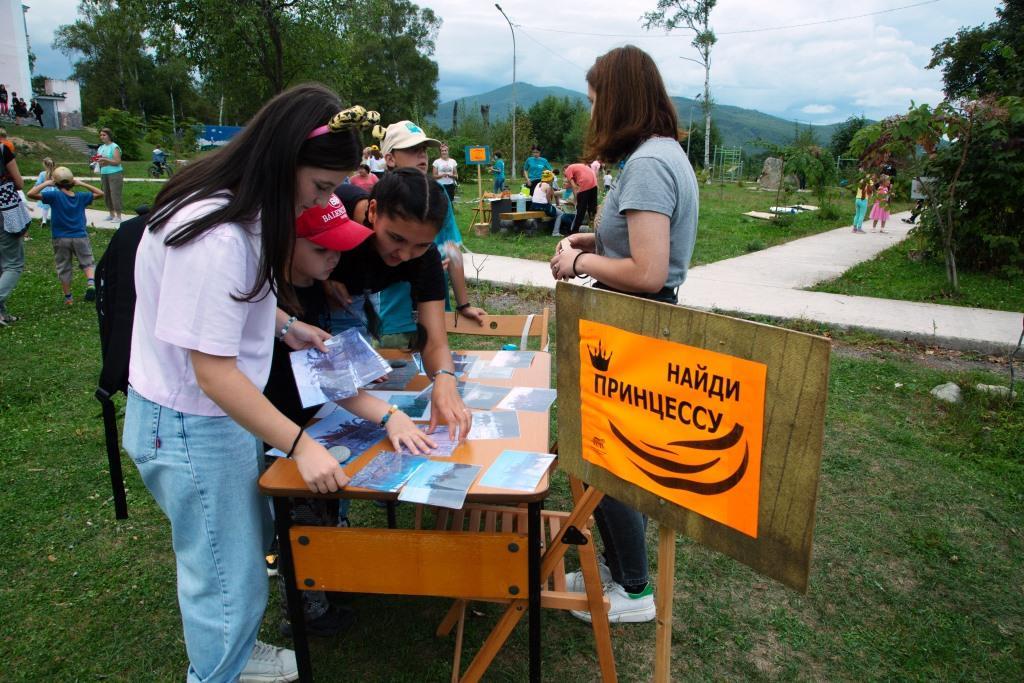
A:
{"x":723,"y":231}
{"x":917,"y":569}
{"x":893,"y":275}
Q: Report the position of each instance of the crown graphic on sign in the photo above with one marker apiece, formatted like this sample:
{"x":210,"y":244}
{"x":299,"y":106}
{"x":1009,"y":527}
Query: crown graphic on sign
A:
{"x":598,"y":358}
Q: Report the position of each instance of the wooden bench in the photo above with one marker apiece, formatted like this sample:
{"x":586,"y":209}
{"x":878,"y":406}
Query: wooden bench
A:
{"x":521,"y":215}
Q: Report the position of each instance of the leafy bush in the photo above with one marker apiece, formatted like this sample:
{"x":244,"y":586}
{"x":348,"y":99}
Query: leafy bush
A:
{"x":126,"y":129}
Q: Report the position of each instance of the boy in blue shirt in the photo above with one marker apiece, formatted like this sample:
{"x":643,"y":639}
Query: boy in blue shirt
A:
{"x":67,"y":225}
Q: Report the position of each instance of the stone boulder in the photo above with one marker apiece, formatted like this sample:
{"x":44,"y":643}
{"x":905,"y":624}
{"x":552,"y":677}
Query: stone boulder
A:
{"x":771,"y":174}
{"x":948,"y":392}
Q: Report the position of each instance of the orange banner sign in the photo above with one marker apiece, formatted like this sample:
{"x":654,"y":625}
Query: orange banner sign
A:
{"x":681,"y":422}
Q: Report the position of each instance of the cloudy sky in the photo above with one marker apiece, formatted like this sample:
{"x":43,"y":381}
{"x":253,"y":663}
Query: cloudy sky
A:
{"x":810,"y":60}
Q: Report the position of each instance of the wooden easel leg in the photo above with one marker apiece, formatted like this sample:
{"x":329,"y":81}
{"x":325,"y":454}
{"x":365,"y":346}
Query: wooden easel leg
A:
{"x":451,"y":618}
{"x":663,"y":600}
{"x":598,"y":615}
{"x":457,"y":659}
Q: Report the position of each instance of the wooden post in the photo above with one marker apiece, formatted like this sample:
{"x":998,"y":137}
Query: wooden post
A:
{"x":480,"y":189}
{"x":663,"y":600}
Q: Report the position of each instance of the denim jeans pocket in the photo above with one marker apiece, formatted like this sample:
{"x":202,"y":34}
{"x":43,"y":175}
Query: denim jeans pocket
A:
{"x":141,"y":438}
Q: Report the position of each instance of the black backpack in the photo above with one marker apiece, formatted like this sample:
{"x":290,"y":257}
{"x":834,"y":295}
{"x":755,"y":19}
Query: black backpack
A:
{"x":115,"y":308}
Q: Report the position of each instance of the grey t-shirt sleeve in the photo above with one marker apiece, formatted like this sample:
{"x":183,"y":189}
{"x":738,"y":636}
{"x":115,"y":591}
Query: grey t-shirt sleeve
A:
{"x":648,"y":186}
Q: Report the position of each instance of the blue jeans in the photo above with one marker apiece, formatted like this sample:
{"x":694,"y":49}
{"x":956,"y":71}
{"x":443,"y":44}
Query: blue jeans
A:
{"x":499,"y":183}
{"x":624,"y":533}
{"x":202,"y":471}
{"x":12,"y":263}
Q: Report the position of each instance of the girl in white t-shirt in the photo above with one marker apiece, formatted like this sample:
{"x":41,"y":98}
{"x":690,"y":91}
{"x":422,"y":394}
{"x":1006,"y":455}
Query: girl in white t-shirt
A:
{"x":446,"y":172}
{"x":209,"y":273}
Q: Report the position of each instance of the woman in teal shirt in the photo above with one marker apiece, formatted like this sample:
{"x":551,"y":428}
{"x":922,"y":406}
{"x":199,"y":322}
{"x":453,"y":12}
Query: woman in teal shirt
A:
{"x":111,"y":173}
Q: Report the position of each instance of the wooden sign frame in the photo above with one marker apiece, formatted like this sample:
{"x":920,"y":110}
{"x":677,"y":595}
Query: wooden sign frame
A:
{"x":796,"y":392}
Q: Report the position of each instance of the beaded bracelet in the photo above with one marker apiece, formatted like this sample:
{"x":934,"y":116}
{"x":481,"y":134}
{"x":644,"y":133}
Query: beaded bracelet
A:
{"x":387,"y":416}
{"x":287,"y":326}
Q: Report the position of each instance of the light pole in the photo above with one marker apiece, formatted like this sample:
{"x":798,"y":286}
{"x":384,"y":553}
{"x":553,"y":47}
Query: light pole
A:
{"x":512,"y":169}
{"x":689,"y":129}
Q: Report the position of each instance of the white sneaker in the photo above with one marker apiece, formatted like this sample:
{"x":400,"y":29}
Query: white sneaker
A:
{"x":269,"y":664}
{"x":574,"y":580}
{"x":625,"y":608}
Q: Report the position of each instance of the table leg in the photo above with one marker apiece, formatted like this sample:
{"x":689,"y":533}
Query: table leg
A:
{"x":392,"y":517}
{"x":293,"y":597}
{"x":533,"y":531}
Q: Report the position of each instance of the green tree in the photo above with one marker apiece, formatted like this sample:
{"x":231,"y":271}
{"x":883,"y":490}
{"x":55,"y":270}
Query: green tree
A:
{"x":985,"y":60}
{"x":126,"y":131}
{"x":972,"y":155}
{"x":555,"y":124}
{"x":839,"y":145}
{"x":693,"y":15}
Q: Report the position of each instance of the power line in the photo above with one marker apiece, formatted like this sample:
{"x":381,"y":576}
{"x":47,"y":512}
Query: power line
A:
{"x":556,"y":53}
{"x":733,"y":33}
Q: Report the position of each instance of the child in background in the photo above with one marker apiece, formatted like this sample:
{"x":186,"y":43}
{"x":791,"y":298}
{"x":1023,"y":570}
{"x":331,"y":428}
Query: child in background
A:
{"x":880,"y":211}
{"x":607,"y":180}
{"x":68,"y":227}
{"x":864,"y":189}
{"x":498,"y":169}
{"x":44,"y":175}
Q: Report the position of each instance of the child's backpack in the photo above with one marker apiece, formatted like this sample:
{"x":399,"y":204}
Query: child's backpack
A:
{"x":115,"y":308}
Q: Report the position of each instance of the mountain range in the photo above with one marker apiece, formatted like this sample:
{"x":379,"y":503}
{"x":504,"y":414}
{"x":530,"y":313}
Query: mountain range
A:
{"x":738,"y":127}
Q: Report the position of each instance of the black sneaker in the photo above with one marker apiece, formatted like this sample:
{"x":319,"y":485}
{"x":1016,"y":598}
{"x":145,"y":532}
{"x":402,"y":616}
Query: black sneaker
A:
{"x":90,"y":293}
{"x":336,"y":619}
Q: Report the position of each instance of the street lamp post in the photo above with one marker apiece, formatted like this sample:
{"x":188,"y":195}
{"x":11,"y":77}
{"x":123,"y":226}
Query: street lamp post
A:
{"x":512,"y":169}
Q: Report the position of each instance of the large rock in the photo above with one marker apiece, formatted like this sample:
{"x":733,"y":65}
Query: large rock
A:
{"x":948,"y":392}
{"x":771,"y":174}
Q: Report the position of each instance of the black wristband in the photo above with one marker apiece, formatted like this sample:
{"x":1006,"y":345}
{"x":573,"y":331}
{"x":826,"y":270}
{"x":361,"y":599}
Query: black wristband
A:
{"x":575,"y":274}
{"x":462,"y":307}
{"x":295,"y":443}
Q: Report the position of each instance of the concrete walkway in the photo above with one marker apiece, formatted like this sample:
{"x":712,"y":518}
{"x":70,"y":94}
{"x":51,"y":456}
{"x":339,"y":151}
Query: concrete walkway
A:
{"x":770,"y":282}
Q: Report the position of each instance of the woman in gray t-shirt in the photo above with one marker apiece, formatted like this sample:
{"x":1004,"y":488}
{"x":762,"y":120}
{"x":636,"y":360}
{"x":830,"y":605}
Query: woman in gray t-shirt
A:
{"x":642,"y":247}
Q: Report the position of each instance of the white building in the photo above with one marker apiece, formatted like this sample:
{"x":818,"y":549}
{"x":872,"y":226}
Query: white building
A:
{"x":14,"y":71}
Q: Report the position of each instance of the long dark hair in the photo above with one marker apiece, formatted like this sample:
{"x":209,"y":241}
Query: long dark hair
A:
{"x":631,"y":104}
{"x":412,"y":195}
{"x":255,"y":172}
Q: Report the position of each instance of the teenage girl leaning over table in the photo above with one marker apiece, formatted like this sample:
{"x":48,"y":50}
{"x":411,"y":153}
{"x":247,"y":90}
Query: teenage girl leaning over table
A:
{"x":642,"y":247}
{"x":209,"y":273}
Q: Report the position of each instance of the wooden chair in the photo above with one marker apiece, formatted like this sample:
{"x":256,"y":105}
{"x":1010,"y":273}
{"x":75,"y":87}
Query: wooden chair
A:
{"x":554,"y":532}
{"x":526,"y":326}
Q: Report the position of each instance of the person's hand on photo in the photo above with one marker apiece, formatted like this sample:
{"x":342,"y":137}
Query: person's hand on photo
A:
{"x":406,"y":436}
{"x":446,"y":407}
{"x":305,"y":336}
{"x":318,"y":468}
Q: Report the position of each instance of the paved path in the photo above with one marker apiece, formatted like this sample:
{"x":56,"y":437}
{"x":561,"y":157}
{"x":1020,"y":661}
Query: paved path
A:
{"x":770,"y":282}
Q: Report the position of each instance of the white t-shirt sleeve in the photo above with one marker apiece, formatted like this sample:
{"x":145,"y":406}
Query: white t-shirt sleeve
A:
{"x":200,"y":280}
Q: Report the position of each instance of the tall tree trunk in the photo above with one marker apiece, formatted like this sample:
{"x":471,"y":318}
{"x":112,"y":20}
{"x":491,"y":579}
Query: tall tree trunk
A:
{"x":707,"y":113}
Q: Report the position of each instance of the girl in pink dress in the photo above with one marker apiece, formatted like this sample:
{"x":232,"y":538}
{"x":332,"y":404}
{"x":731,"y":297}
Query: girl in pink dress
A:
{"x":880,"y":211}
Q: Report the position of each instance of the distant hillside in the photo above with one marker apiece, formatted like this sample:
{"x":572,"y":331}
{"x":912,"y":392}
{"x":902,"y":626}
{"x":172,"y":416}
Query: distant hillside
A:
{"x":739,"y":127}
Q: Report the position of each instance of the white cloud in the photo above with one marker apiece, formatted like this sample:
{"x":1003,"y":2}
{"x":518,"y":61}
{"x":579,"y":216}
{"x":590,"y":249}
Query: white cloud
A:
{"x":818,"y":109}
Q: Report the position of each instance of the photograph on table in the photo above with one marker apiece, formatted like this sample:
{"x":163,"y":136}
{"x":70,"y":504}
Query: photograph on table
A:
{"x":484,"y":370}
{"x":517,"y":470}
{"x":415,"y":404}
{"x":444,"y":484}
{"x":494,"y":425}
{"x":530,"y":399}
{"x":342,"y":428}
{"x":512,"y":359}
{"x":388,"y":471}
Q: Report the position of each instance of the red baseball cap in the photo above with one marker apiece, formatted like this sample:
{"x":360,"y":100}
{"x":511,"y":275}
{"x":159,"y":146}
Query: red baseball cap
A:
{"x":331,"y":227}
